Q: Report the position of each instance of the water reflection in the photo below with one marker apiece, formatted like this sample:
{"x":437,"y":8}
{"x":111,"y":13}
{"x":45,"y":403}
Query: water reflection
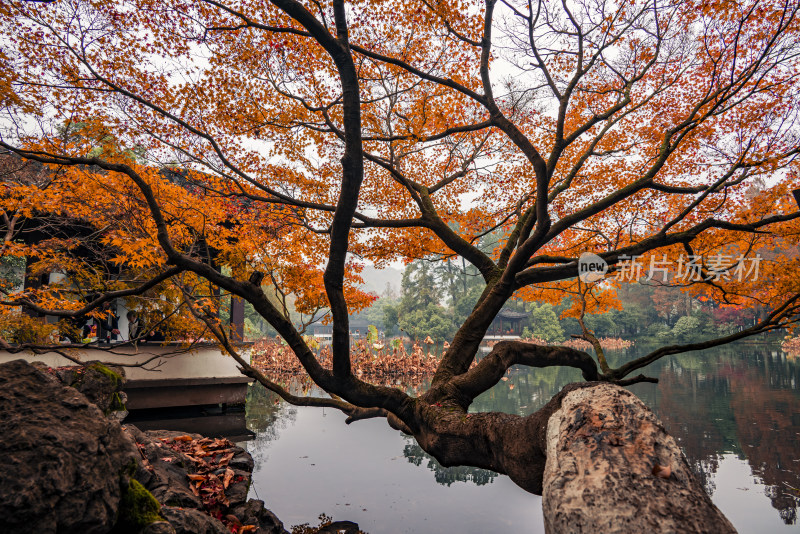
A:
{"x":267,"y":416}
{"x":735,"y":411}
{"x":741,"y":399}
{"x":446,"y":475}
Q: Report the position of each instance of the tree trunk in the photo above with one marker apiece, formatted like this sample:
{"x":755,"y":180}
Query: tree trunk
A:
{"x":611,"y":467}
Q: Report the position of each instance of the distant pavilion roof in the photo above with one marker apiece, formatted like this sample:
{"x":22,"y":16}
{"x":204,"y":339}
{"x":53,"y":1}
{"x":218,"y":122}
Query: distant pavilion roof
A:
{"x":511,"y":315}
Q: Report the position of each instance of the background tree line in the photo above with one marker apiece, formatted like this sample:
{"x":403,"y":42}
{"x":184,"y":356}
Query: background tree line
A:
{"x":436,"y":297}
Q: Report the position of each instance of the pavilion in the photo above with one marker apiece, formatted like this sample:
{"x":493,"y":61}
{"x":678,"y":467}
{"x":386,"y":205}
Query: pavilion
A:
{"x":507,"y":325}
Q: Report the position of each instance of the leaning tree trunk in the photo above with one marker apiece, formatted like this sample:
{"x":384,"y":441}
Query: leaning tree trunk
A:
{"x":611,"y":467}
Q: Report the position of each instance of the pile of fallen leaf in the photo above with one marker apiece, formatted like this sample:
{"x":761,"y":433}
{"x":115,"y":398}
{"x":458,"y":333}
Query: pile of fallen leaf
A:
{"x":375,"y":363}
{"x":607,"y":343}
{"x":211,"y":475}
{"x":791,"y":346}
{"x":533,"y":340}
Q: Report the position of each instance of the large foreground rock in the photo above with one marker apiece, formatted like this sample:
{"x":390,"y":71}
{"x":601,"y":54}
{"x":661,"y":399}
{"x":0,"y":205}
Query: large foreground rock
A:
{"x":63,"y":461}
{"x":68,"y":466}
{"x":611,"y":467}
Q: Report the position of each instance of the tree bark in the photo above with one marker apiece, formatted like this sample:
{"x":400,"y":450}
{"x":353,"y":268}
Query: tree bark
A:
{"x":612,"y":467}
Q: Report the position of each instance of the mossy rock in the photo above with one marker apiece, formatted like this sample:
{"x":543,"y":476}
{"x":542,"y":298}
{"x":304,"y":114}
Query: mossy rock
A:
{"x":137,"y":509}
{"x":100,"y":383}
{"x":116,"y":403}
{"x":115,"y":379}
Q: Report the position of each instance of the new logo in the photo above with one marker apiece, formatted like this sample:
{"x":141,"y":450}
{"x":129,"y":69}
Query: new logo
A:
{"x":591,"y":267}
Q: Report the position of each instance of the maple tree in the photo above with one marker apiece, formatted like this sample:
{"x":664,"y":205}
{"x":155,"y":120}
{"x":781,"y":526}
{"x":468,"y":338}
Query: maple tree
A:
{"x":238,"y":147}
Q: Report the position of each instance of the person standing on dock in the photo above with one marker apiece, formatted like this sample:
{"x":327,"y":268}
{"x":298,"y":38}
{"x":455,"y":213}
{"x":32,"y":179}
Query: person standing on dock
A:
{"x":134,"y":328}
{"x":109,"y":325}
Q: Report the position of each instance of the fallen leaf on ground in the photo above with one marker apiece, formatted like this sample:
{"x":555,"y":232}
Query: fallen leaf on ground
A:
{"x":662,"y":471}
{"x":226,"y":480}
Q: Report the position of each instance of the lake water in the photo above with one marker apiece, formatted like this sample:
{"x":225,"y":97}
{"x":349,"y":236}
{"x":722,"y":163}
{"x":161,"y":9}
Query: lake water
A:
{"x":735,"y":412}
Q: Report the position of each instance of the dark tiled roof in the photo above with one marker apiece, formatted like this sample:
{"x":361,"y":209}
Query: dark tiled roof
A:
{"x":509,"y":314}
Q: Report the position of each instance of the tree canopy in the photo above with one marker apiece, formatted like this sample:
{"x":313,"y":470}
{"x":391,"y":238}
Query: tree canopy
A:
{"x":263,"y":149}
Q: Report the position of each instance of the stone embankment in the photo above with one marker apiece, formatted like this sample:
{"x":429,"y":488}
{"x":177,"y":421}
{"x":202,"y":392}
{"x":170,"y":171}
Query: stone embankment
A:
{"x":69,"y":466}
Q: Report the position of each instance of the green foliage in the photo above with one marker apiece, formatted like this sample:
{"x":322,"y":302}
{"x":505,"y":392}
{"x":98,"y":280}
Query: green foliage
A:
{"x":419,"y":313}
{"x":390,"y":316}
{"x":658,"y":330}
{"x":447,"y":475}
{"x":116,"y":403}
{"x":544,"y":324}
{"x":382,"y":315}
{"x":692,"y":327}
{"x":372,"y":334}
{"x":465,"y":302}
{"x":12,"y":272}
{"x":255,"y":326}
{"x":433,"y":320}
{"x":420,"y":288}
{"x":108,"y":143}
{"x":686,"y":328}
{"x":427,"y":290}
{"x":648,"y":311}
{"x":114,"y":378}
{"x":374,"y":314}
{"x":727,"y":328}
{"x":601,"y":324}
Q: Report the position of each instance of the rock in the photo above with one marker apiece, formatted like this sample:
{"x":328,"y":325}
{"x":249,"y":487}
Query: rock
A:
{"x":120,"y":414}
{"x":48,"y":371}
{"x":237,"y":491}
{"x":159,"y":527}
{"x":64,"y":462}
{"x":340,"y":527}
{"x":254,"y":513}
{"x":611,"y":467}
{"x":137,"y":509}
{"x":242,"y":461}
{"x":167,"y":479}
{"x":101,"y":383}
{"x":188,"y":521}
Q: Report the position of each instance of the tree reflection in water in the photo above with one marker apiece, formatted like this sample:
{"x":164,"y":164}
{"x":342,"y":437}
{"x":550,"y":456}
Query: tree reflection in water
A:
{"x":266,"y":415}
{"x":768,"y":427}
{"x":741,"y":401}
{"x":446,"y":475}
